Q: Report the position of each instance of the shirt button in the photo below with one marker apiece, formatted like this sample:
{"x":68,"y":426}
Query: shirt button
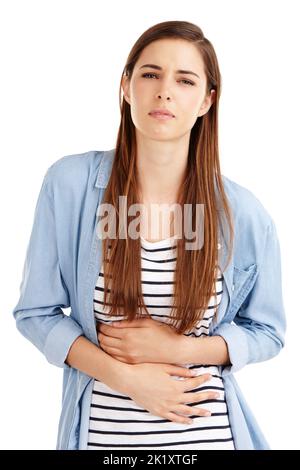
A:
{"x":219,"y":246}
{"x":232,"y":287}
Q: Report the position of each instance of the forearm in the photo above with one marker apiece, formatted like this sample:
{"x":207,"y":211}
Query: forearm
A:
{"x":85,"y":356}
{"x":211,"y":350}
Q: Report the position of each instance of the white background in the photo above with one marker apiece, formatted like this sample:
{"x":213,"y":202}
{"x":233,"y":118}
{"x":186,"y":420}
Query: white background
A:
{"x":61,"y":63}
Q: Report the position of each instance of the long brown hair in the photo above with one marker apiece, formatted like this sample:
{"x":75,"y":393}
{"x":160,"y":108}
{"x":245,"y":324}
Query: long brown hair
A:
{"x":194,"y":276}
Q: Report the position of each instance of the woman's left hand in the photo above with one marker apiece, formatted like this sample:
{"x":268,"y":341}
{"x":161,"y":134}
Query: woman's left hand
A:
{"x":141,"y":340}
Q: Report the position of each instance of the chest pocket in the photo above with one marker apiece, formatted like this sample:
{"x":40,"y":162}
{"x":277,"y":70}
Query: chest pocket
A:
{"x":243,"y":281}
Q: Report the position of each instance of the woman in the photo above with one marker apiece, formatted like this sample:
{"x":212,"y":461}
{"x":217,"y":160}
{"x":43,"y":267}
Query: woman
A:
{"x":128,"y":380}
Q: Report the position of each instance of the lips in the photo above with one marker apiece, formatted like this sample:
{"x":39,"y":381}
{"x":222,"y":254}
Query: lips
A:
{"x":161,"y":112}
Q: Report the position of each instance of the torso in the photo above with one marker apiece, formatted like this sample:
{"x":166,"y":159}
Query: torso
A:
{"x":155,"y":228}
{"x":116,"y":421}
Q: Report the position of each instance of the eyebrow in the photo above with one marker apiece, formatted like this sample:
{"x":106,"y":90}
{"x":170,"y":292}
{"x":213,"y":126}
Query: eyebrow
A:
{"x":157,"y":67}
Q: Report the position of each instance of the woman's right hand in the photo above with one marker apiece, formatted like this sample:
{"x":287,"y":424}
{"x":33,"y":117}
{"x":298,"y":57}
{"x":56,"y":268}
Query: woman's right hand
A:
{"x":153,"y":388}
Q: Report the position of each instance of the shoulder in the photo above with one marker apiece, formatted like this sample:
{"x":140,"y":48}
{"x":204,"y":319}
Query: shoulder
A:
{"x":247,"y":209}
{"x":74,"y":170}
{"x":254,"y":226}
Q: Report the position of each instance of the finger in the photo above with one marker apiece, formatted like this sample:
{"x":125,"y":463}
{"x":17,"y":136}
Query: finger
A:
{"x":120,"y":358}
{"x":178,"y":419}
{"x":127,"y":323}
{"x":196,"y":397}
{"x":191,"y":411}
{"x":112,"y":351}
{"x":109,"y":341}
{"x":195,"y":381}
{"x":111,"y":331}
{"x":181,"y":371}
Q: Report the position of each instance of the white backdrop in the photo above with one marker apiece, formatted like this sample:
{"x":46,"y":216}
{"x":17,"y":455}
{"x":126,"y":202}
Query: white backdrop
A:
{"x":61,"y":62}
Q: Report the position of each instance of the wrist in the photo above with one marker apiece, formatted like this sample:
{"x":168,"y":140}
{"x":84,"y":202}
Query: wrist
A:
{"x":116,"y":374}
{"x":186,"y":349}
{"x":124,"y":377}
{"x":204,"y":350}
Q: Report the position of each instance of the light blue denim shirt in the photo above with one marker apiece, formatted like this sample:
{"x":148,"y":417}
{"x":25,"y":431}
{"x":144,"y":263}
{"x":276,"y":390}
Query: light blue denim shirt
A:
{"x":62,"y":265}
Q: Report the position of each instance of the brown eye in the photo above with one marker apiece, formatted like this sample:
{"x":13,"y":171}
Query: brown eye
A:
{"x":144,"y":74}
{"x":187,"y":82}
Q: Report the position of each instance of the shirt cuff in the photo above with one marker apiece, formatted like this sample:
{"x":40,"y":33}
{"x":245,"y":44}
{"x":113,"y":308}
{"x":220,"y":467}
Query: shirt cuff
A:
{"x":236,"y":340}
{"x":60,"y":339}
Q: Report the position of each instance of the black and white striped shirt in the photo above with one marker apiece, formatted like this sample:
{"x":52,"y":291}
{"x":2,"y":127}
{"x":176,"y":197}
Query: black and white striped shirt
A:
{"x":116,"y":421}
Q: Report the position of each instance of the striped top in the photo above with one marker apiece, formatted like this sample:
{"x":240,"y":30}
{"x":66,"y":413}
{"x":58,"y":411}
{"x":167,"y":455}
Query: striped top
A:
{"x":116,"y":421}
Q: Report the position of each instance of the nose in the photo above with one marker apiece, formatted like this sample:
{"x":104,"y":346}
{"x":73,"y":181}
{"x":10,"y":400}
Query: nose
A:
{"x":160,"y":96}
{"x":163,"y":93}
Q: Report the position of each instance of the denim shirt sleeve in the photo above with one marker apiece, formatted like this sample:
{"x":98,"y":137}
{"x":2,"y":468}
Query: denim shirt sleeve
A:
{"x":258,"y":328}
{"x":43,"y":293}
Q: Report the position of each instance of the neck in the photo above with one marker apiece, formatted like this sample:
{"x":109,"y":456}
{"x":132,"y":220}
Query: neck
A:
{"x":161,"y":166}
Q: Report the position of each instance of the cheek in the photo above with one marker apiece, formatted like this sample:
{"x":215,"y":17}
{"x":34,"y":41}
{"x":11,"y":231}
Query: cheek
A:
{"x":190,"y":103}
{"x":189,"y":110}
{"x":140,"y":90}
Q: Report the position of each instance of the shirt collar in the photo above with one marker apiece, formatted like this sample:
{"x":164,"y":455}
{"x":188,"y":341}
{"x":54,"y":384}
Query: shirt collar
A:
{"x":105,"y":168}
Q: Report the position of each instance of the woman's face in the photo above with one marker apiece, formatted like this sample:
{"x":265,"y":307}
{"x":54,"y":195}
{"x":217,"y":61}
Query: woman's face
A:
{"x":181,"y":93}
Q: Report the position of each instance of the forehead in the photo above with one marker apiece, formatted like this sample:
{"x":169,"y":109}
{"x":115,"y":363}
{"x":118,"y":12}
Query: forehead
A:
{"x":172,"y":54}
